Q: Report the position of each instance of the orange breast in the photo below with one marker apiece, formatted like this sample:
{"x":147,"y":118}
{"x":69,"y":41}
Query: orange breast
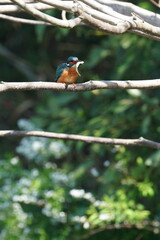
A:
{"x":68,"y":76}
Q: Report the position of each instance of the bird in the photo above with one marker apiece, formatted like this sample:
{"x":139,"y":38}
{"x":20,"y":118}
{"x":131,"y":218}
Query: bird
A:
{"x":68,"y":72}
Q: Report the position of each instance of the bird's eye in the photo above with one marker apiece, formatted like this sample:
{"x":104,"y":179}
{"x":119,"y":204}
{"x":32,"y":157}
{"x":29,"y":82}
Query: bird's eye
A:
{"x":73,"y":62}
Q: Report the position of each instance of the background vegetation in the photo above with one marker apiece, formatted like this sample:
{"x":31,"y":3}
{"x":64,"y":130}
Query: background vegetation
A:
{"x":61,"y":190}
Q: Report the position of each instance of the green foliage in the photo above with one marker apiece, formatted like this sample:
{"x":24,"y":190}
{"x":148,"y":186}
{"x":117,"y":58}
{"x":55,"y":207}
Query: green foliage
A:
{"x":53,"y":189}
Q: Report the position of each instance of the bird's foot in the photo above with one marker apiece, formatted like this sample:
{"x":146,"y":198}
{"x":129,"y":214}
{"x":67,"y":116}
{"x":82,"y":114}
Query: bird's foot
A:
{"x":66,"y":85}
{"x":74,"y":85}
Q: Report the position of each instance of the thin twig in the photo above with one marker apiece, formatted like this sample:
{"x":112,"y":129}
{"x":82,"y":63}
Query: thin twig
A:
{"x":23,"y":20}
{"x":13,"y":8}
{"x":10,"y":2}
{"x":156,"y":3}
{"x":88,"y":139}
{"x":80,"y":87}
{"x":149,"y":226}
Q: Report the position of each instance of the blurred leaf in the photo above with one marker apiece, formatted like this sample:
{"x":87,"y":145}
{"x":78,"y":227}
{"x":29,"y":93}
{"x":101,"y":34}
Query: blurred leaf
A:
{"x":40,"y":31}
{"x":154,"y":159}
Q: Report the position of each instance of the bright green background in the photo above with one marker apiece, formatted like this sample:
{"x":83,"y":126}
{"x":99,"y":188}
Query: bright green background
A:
{"x":58,"y":190}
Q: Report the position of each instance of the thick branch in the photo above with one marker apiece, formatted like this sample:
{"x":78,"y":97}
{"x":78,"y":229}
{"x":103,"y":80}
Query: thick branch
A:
{"x":121,"y":27}
{"x":126,"y":8}
{"x":113,"y":17}
{"x":135,"y":22}
{"x":81,"y":87}
{"x":88,"y":139}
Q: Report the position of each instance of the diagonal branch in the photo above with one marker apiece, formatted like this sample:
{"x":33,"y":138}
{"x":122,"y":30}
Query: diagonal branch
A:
{"x":88,"y":139}
{"x":156,"y":3}
{"x":23,"y":20}
{"x":45,"y":17}
{"x":111,"y":16}
{"x":149,"y":226}
{"x":126,"y":23}
{"x":118,"y":6}
{"x":80,"y":87}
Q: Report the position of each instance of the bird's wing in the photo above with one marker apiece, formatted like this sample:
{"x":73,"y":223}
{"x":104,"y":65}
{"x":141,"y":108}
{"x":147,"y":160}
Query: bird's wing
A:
{"x":59,"y":70}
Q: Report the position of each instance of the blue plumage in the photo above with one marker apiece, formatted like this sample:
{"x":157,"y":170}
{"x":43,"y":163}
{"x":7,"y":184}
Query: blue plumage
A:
{"x":68,"y":72}
{"x":60,"y":69}
{"x":72,"y":59}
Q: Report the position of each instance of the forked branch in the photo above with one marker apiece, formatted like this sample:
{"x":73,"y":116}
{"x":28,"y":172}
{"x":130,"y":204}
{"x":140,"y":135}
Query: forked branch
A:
{"x":112,"y":17}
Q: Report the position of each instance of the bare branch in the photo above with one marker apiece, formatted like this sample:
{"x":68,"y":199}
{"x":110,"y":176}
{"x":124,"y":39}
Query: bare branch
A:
{"x":111,"y":16}
{"x":54,"y":21}
{"x":151,"y":226}
{"x":65,"y":5}
{"x":145,"y":34}
{"x":132,"y":22}
{"x":12,"y":8}
{"x":126,"y":8}
{"x":88,"y":139}
{"x":156,"y":3}
{"x":10,"y":2}
{"x":80,"y":87}
{"x":121,"y":27}
{"x":23,"y":20}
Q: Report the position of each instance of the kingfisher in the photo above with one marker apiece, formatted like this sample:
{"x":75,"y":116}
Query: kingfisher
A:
{"x":68,"y":72}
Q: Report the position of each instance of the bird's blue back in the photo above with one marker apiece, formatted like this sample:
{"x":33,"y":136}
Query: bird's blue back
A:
{"x":60,"y":69}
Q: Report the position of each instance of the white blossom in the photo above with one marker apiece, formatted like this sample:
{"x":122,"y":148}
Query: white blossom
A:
{"x":105,"y":217}
{"x":98,"y":203}
{"x":14,"y":160}
{"x":86,"y":225}
{"x":134,"y":92}
{"x":106,"y":163}
{"x":94,"y":172}
{"x":89,"y":197}
{"x":77,"y":193}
